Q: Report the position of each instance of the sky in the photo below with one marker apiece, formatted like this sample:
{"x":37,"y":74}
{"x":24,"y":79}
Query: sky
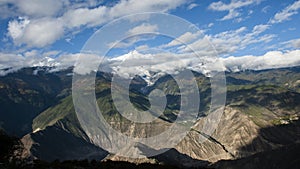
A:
{"x":245,"y":34}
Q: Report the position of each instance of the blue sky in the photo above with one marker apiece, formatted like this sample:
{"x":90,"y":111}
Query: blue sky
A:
{"x":37,"y":29}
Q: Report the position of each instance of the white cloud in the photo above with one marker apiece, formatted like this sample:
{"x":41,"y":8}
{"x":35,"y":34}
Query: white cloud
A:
{"x":224,"y":42}
{"x":35,"y":33}
{"x":136,"y":34}
{"x":184,"y":39}
{"x":84,"y":65}
{"x":142,"y":29}
{"x":265,"y":9}
{"x":9,"y":60}
{"x":135,"y":63}
{"x":126,"y":7}
{"x":7,"y":10}
{"x":42,"y":8}
{"x":150,"y":67}
{"x":95,"y":16}
{"x":51,"y":23}
{"x":16,"y":27}
{"x":85,"y":16}
{"x":13,"y":62}
{"x":147,"y":65}
{"x":232,"y":14}
{"x":142,"y":48}
{"x":258,"y":29}
{"x":272,"y":59}
{"x":234,"y":4}
{"x":231,"y":7}
{"x":39,"y":8}
{"x":229,"y":41}
{"x":192,"y":5}
{"x":294,"y":43}
{"x":32,"y":8}
{"x":286,"y":13}
{"x":131,"y":40}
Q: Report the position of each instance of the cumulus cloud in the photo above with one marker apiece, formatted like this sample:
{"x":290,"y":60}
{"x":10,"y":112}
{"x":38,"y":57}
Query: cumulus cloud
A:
{"x":35,"y":33}
{"x":286,"y":13}
{"x":231,"y":7}
{"x":16,"y":27}
{"x":39,"y":8}
{"x":42,"y":8}
{"x":46,"y":22}
{"x":272,"y":59}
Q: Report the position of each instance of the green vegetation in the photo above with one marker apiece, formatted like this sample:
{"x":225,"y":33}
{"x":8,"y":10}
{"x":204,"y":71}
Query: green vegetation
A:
{"x":53,"y":114}
{"x":268,"y":98}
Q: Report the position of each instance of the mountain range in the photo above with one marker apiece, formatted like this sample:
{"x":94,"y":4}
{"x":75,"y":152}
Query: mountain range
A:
{"x":258,"y":128}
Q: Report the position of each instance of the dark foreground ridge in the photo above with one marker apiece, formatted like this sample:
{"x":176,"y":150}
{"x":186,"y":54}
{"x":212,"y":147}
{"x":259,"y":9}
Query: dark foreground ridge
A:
{"x":83,"y":164}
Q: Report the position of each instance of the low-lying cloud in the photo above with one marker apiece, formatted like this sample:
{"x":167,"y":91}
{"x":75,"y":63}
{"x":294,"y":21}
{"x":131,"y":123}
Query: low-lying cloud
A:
{"x":151,"y":66}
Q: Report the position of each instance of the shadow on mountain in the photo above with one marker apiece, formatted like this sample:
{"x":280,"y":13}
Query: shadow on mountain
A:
{"x":279,"y":147}
{"x":56,"y":143}
{"x":8,"y":144}
{"x":173,"y":157}
{"x":25,"y":94}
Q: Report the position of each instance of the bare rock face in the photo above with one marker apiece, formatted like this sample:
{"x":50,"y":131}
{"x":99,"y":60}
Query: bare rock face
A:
{"x":259,"y":117}
{"x":27,"y":143}
{"x":236,"y":136}
{"x":234,"y":131}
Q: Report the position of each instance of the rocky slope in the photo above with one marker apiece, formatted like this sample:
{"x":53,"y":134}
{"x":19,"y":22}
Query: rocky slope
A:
{"x":261,"y":116}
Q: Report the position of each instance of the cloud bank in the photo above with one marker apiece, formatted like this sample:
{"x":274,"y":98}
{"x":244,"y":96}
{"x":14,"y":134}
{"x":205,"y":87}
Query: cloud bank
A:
{"x":151,"y":66}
